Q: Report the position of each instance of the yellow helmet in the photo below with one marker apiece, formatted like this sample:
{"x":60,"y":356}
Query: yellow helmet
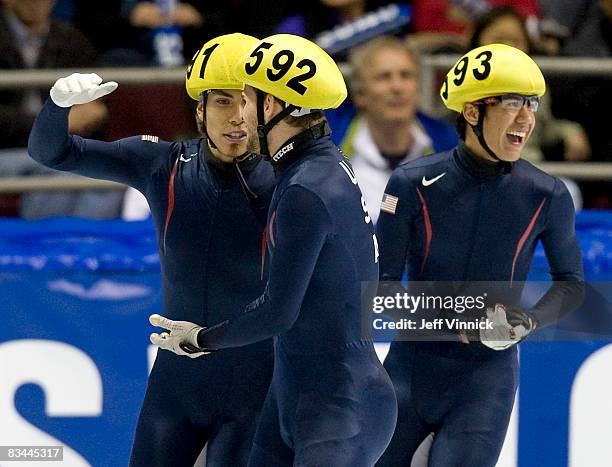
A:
{"x":491,"y":70}
{"x":211,"y":66}
{"x":294,"y":70}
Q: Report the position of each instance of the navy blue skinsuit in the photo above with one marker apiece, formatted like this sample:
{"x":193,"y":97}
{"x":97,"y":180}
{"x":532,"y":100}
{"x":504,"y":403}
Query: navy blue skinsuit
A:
{"x":210,"y":251}
{"x":474,"y":223}
{"x":331,"y":402}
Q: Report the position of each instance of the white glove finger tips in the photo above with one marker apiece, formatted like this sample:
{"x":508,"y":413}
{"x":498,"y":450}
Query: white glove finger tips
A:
{"x":154,"y":319}
{"x":79,"y":89}
{"x":94,"y":78}
{"x":500,"y":317}
{"x":518,"y":332}
{"x":110,"y":86}
{"x":61,"y":85}
{"x":499,"y":335}
{"x":104,"y":89}
{"x":87,"y":82}
{"x":164,"y":322}
{"x":74,"y":84}
{"x":155,"y":339}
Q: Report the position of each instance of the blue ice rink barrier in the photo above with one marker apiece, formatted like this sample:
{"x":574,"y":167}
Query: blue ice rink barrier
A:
{"x":74,"y":349}
{"x":76,"y":295}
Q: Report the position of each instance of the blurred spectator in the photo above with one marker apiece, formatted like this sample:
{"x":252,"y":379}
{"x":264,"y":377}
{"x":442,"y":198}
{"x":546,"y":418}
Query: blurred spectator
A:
{"x":92,"y":204}
{"x":249,"y":17}
{"x":589,"y":26}
{"x":586,"y":25}
{"x":64,"y":10}
{"x":387,"y":129}
{"x":29,"y":38}
{"x":586,"y":99}
{"x":308,"y":19}
{"x":338,"y":25}
{"x":506,"y":25}
{"x":106,"y":25}
{"x":458,"y":15}
{"x":172,"y":30}
{"x":443,"y":26}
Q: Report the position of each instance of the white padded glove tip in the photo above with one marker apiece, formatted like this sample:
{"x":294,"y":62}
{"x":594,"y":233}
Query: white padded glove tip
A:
{"x":80,"y":88}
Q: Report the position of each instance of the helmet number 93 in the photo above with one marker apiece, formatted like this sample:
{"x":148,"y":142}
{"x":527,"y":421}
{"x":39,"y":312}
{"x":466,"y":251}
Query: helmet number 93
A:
{"x":481,"y":70}
{"x":281,"y":64}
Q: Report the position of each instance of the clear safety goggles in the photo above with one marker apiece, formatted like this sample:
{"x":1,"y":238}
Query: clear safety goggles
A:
{"x":514,"y":102}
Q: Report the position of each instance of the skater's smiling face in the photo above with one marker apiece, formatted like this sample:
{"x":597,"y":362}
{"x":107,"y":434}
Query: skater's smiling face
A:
{"x":508,"y":123}
{"x":223,"y":123}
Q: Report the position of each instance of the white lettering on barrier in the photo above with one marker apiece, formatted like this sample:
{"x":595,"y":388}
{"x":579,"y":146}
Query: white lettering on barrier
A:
{"x":509,"y":453}
{"x":591,"y":412}
{"x":69,"y":379}
{"x":73,"y":388}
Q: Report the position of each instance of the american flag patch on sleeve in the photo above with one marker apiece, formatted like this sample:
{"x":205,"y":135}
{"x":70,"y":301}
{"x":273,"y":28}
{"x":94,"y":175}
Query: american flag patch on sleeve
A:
{"x":153,"y":139}
{"x":389,"y":203}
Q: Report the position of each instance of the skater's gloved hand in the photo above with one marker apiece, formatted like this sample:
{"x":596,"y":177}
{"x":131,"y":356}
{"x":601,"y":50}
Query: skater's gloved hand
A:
{"x":507,"y":326}
{"x":182,"y":338}
{"x":80,"y":88}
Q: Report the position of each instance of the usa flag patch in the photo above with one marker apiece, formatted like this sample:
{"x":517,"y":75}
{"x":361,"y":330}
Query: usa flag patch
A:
{"x":153,"y":139}
{"x":389,"y":203}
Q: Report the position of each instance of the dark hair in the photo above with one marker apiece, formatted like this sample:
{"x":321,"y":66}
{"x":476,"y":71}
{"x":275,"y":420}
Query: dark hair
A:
{"x":305,"y":121}
{"x":461,"y":123}
{"x":461,"y":126}
{"x":494,"y":15}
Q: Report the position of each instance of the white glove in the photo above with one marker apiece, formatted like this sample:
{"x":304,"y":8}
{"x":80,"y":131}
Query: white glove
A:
{"x":500,"y":334}
{"x":80,"y":88}
{"x":182,"y":339}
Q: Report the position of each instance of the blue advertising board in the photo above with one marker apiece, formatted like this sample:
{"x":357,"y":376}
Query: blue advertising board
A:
{"x":75,"y":354}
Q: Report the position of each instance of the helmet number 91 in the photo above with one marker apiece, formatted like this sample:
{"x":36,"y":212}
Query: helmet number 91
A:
{"x":481,"y":70}
{"x":281,"y":64}
{"x":206,"y":54}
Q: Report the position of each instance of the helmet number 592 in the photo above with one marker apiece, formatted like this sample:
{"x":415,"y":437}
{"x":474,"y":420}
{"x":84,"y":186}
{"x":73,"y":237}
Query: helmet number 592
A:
{"x":281,"y":64}
{"x":258,"y":55}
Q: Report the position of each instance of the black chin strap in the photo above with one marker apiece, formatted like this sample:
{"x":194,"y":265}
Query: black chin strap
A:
{"x":479,"y":132}
{"x":255,"y":200}
{"x":264,"y":128}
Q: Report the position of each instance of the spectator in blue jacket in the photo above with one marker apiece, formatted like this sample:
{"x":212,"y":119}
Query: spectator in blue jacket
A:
{"x":385,"y":129}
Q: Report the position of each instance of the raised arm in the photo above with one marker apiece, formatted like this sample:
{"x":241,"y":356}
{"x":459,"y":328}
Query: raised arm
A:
{"x":127,"y":161}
